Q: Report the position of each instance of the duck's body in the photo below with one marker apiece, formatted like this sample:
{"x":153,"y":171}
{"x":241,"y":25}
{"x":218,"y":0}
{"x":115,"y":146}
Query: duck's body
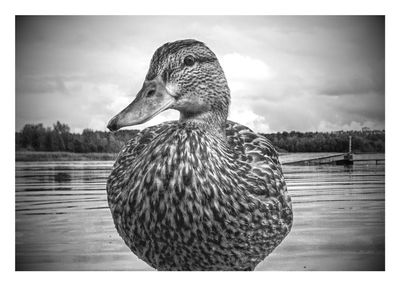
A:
{"x":187,"y":196}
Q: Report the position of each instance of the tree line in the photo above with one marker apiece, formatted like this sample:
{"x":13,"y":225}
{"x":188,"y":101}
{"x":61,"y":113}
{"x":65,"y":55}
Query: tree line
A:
{"x":36,"y":137}
{"x":361,"y":142}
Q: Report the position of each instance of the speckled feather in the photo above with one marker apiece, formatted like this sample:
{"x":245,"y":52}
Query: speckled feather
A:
{"x":184,"y":199}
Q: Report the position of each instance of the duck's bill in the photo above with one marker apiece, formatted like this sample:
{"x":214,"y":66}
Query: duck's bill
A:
{"x":151,"y":100}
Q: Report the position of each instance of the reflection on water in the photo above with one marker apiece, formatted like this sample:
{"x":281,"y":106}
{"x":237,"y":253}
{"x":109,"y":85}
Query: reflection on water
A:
{"x":62,"y":177}
{"x":63,"y":221}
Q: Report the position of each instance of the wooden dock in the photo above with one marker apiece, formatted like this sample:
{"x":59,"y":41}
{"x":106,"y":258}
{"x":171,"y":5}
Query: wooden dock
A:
{"x":342,"y":159}
{"x":348,"y":158}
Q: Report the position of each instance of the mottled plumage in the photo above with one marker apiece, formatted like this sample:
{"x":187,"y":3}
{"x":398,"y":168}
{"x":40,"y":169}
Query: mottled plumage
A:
{"x":201,"y":193}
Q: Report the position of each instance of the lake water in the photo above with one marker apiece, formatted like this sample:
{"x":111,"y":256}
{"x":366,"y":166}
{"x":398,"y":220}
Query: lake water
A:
{"x":63,"y":221}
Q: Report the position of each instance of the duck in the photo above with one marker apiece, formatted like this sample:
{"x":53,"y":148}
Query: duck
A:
{"x":201,"y":193}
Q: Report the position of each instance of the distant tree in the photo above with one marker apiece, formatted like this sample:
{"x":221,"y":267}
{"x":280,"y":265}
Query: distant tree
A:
{"x":32,"y":136}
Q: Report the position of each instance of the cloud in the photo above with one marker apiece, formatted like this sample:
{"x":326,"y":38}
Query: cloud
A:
{"x":39,"y":84}
{"x":247,"y":117}
{"x":243,"y":67}
{"x":285,"y":73}
{"x":325,"y":126}
{"x":247,"y":78}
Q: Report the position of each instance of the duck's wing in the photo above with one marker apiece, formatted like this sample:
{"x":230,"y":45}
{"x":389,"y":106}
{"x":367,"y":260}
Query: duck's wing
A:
{"x":248,"y":142}
{"x":265,"y":185}
{"x":260,"y":154}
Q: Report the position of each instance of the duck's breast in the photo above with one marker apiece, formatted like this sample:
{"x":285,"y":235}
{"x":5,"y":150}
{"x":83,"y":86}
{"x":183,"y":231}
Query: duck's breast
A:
{"x":189,"y":202}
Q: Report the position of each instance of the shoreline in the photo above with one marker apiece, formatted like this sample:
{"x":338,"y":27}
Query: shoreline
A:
{"x":29,"y":156}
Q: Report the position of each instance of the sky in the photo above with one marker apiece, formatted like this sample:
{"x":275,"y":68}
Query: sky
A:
{"x":303,"y":73}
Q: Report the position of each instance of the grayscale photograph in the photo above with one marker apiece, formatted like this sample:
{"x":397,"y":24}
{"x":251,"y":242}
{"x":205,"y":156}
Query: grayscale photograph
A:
{"x":200,"y":143}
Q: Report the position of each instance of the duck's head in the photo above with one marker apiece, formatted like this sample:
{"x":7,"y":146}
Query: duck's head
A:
{"x":183,"y":75}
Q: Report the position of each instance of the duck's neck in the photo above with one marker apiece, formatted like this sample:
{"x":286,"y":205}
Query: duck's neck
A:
{"x":214,"y":118}
{"x":215,"y":122}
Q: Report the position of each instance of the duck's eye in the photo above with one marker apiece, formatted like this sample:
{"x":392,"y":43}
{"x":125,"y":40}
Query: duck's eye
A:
{"x":189,"y":61}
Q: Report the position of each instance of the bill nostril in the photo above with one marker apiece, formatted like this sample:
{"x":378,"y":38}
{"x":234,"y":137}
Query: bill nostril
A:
{"x":150,"y":93}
